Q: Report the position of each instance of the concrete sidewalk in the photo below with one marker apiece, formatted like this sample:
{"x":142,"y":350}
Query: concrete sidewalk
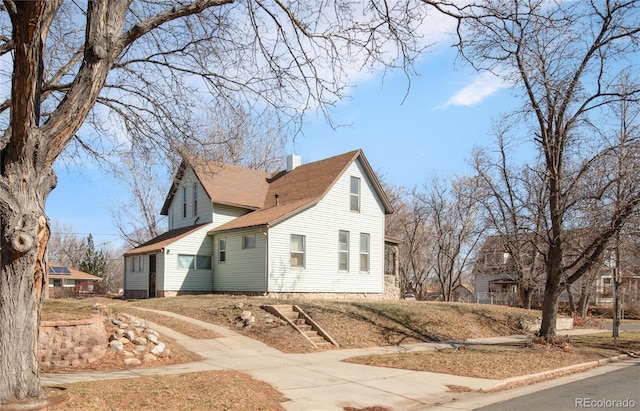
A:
{"x":315,"y":381}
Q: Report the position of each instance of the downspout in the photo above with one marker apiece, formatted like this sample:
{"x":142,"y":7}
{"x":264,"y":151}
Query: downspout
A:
{"x":124,"y":278}
{"x":266,"y":261}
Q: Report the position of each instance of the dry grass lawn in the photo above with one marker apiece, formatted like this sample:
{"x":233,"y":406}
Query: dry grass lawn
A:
{"x":204,"y":391}
{"x":352,"y":323}
{"x":506,"y":361}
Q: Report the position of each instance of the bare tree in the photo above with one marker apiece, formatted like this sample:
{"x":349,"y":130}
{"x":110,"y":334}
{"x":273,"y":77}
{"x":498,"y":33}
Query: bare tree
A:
{"x":144,"y":70}
{"x":410,"y":224}
{"x":455,"y":228}
{"x":513,"y":198}
{"x":65,"y":246}
{"x":136,"y":215}
{"x":565,"y":57}
{"x":235,"y":136}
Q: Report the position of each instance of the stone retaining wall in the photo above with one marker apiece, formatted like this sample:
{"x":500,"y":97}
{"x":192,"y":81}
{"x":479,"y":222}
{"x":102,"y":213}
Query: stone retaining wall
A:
{"x":71,"y":343}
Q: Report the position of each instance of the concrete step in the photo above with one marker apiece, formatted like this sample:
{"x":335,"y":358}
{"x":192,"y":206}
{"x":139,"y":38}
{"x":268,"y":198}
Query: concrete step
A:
{"x":317,"y":339}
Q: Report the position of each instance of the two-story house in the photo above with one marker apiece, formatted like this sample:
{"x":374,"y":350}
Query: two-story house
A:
{"x":311,"y":228}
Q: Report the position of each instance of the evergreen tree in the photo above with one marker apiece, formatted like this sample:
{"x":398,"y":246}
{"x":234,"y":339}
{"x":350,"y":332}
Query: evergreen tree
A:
{"x":93,"y":261}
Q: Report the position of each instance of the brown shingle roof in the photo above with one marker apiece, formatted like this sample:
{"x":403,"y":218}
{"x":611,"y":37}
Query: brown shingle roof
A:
{"x":163,"y":240}
{"x":300,"y":189}
{"x":225,"y":184}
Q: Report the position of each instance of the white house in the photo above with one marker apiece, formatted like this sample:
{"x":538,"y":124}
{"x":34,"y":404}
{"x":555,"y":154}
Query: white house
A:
{"x":313,"y":228}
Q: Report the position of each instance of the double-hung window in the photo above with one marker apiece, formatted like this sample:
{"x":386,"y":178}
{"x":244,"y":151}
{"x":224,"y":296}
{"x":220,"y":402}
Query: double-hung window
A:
{"x":195,"y":199}
{"x":354,"y":194}
{"x":222,"y":250}
{"x":297,"y":250}
{"x":343,"y":250}
{"x":364,"y":252}
{"x":184,"y":201}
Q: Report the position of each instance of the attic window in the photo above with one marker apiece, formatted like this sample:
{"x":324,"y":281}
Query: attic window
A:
{"x":354,"y":197}
{"x":195,"y":199}
{"x":184,"y":201}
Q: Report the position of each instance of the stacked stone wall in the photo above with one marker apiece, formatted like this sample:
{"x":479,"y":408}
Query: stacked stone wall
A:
{"x":75,"y":343}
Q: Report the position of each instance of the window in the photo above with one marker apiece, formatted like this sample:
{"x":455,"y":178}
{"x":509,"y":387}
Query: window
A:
{"x":195,"y":199}
{"x":343,"y":251}
{"x":186,"y":261}
{"x":354,"y":203}
{"x":194,"y":262}
{"x":249,"y":241}
{"x":222,"y":250}
{"x":297,"y":250}
{"x":184,"y":201}
{"x":364,"y":252}
{"x":203,"y":262}
{"x":137,"y":263}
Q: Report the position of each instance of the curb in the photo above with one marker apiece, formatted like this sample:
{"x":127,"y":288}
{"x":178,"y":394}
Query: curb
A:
{"x":558,"y":372}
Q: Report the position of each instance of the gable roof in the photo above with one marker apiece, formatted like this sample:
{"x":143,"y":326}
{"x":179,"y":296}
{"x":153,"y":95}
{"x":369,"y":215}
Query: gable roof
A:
{"x":294,"y":191}
{"x":163,"y":240}
{"x":57,"y":271}
{"x":224,"y":184}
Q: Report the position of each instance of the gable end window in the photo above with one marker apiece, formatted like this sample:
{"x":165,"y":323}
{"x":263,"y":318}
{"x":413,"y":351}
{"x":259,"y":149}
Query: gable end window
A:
{"x":364,"y":252}
{"x":249,"y":241}
{"x":184,"y":201}
{"x":354,"y":194}
{"x":297,"y":250}
{"x":195,"y":199}
{"x":343,"y":250}
{"x":222,"y":250}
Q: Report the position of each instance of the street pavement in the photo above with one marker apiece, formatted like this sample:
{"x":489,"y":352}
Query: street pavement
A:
{"x":321,"y":381}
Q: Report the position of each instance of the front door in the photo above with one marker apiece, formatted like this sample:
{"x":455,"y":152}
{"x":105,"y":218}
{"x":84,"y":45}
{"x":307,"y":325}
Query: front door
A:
{"x":152,"y":276}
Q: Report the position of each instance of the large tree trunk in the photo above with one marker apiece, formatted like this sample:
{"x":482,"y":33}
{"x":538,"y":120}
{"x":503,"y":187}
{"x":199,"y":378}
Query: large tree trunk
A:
{"x":553,"y":286}
{"x":24,"y":235}
{"x":526,"y":295}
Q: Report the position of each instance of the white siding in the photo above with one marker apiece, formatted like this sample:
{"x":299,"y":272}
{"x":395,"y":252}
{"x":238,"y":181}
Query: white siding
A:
{"x":160,"y":270}
{"x":320,"y":226}
{"x":204,"y":210}
{"x":243,"y":269}
{"x":222,"y":214}
{"x":138,"y":280}
{"x":176,"y":279}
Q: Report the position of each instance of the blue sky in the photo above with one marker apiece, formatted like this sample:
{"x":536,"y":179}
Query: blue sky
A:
{"x":432,"y":131}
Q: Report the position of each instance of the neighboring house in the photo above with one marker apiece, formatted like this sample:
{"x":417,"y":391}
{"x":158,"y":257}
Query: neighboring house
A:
{"x":460,"y":293}
{"x":497,"y":279}
{"x":72,"y":280}
{"x":313,"y":228}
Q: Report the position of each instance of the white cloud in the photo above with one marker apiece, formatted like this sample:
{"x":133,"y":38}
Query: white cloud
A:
{"x":482,"y":86}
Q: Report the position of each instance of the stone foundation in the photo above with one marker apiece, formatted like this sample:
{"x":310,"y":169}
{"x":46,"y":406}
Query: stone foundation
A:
{"x":65,"y":344}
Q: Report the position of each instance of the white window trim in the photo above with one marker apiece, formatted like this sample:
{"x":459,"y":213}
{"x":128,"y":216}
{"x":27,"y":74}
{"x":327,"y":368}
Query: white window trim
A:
{"x":184,"y":201}
{"x":353,"y":195}
{"x":194,"y":196}
{"x":195,"y":261}
{"x":221,"y":250}
{"x":303,"y":252}
{"x":367,"y":252}
{"x":245,"y":242}
{"x":341,"y":252}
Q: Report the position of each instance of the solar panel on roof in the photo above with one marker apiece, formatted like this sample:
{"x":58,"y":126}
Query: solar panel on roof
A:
{"x":59,"y":270}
